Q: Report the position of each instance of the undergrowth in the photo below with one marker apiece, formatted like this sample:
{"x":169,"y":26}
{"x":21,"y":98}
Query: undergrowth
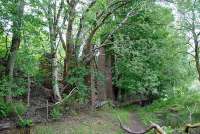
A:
{"x":173,"y":113}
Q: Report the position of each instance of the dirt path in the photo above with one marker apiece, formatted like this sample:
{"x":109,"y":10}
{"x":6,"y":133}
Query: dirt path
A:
{"x":136,"y":124}
{"x":94,"y":123}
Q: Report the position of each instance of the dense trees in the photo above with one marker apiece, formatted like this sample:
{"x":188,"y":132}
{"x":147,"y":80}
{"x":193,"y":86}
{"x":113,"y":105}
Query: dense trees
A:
{"x":103,"y":48}
{"x":146,"y":54}
{"x":16,"y":19}
{"x":189,"y":25}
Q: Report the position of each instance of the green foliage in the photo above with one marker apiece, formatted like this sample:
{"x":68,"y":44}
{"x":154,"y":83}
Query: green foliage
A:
{"x":10,"y":109}
{"x":168,"y":130}
{"x":4,"y":86}
{"x":173,"y":112}
{"x":56,"y":112}
{"x":17,"y":87}
{"x":25,"y":123}
{"x":146,"y":50}
{"x":4,"y":109}
{"x":147,"y":61}
{"x":77,"y":79}
{"x":19,"y":108}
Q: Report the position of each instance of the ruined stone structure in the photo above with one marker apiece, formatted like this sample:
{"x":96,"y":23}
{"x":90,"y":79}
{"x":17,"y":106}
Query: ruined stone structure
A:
{"x":105,"y":87}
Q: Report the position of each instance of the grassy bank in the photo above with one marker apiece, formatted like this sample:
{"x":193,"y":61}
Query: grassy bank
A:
{"x":174,"y":112}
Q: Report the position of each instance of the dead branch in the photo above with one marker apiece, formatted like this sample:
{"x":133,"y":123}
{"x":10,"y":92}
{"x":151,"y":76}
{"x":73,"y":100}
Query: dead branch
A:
{"x":190,"y":126}
{"x":153,"y":126}
{"x":59,"y":102}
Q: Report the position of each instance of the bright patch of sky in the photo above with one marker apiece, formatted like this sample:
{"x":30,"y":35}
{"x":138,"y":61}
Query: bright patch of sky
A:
{"x":178,"y":16}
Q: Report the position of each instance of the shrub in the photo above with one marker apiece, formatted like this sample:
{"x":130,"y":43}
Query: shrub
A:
{"x":4,"y":112}
{"x":173,"y":112}
{"x":56,"y":113}
{"x":20,"y":108}
{"x":77,"y":79}
{"x":17,"y":87}
{"x":8,"y":109}
{"x":25,"y":123}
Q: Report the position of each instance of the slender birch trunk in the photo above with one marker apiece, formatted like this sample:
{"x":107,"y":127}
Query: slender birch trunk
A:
{"x":55,"y":83}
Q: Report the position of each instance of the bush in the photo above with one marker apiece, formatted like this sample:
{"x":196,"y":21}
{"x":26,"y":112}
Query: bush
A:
{"x":9,"y":109}
{"x":56,"y":113}
{"x":19,"y":108}
{"x":25,"y":123}
{"x":173,"y":112}
{"x":17,"y":87}
{"x":4,"y":110}
{"x":77,"y":79}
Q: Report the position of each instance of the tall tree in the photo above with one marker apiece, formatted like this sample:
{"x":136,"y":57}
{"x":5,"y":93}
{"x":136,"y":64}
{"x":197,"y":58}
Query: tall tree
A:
{"x":189,"y":13}
{"x":53,"y":11}
{"x":147,"y":62}
{"x":18,"y":11}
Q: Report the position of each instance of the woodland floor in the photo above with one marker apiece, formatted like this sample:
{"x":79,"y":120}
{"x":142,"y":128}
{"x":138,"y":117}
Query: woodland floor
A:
{"x":100,"y":122}
{"x":136,"y":124}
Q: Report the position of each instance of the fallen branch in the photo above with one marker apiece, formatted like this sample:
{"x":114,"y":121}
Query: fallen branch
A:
{"x":60,"y":102}
{"x":153,"y":126}
{"x":65,"y":98}
{"x":100,"y":104}
{"x":190,"y":126}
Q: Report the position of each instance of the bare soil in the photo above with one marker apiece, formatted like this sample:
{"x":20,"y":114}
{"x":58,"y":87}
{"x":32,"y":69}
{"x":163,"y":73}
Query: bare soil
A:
{"x":136,"y":124}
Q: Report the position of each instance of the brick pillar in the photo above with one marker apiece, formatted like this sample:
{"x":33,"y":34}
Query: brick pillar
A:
{"x":101,"y":85}
{"x":109,"y":86}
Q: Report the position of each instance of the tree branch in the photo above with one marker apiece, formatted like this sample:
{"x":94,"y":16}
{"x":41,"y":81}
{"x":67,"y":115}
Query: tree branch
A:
{"x":102,"y":22}
{"x":190,"y":126}
{"x":59,"y":11}
{"x":104,"y":42}
{"x":81,"y":21}
{"x":153,"y":126}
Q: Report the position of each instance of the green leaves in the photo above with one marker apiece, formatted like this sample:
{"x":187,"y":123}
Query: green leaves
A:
{"x":147,"y":59}
{"x":3,"y":110}
{"x":23,"y":123}
{"x":77,"y":79}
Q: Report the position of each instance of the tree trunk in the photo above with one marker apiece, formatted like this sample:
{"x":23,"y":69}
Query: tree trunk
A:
{"x":55,"y":83}
{"x":69,"y":39}
{"x":54,"y":64}
{"x":197,"y":55}
{"x":65,"y":68}
{"x":196,"y":43}
{"x":16,"y":39}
